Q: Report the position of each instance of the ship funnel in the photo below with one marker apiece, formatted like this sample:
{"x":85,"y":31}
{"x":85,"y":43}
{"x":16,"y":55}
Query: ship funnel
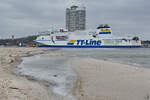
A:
{"x":104,"y":29}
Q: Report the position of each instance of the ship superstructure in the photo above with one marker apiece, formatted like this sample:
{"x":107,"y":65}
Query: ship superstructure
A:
{"x":102,"y":37}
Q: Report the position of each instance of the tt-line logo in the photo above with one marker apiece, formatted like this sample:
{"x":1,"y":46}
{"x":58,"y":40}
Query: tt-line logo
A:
{"x":89,"y":42}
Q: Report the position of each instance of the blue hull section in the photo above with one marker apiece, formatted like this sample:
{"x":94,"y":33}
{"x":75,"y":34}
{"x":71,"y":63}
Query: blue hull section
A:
{"x":67,"y":46}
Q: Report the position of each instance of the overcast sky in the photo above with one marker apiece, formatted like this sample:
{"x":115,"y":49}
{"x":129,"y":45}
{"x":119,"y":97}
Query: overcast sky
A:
{"x":23,"y":17}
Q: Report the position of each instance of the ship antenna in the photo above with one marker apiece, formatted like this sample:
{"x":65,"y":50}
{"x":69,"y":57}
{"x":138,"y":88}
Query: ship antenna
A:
{"x":76,"y":2}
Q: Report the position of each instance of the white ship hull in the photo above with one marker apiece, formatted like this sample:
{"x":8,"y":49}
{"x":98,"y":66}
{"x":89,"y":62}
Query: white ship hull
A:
{"x":89,"y":43}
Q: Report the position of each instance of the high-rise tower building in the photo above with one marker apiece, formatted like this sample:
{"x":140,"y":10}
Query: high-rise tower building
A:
{"x":75,"y":18}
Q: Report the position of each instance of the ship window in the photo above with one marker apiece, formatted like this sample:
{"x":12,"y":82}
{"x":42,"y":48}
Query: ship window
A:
{"x":61,"y":37}
{"x":42,"y":38}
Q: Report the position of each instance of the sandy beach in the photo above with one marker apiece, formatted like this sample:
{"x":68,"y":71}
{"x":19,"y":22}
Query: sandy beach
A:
{"x":104,"y":80}
{"x":13,"y":87}
{"x":96,"y":79}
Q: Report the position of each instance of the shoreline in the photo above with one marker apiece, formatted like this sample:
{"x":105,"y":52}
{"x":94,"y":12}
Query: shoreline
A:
{"x":121,"y":62}
{"x":64,"y":92}
{"x":105,"y":80}
{"x":16,"y":87}
{"x":96,"y":79}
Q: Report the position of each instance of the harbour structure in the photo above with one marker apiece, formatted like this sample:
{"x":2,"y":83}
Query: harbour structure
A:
{"x":76,"y":18}
{"x":146,"y":44}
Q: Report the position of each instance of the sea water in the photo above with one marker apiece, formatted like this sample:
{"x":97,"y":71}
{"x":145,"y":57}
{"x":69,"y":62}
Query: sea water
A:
{"x":55,"y":69}
{"x":139,"y":57}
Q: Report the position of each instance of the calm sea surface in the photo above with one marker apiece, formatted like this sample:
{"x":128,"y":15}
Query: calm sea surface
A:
{"x":134,"y":56}
{"x":54,"y":67}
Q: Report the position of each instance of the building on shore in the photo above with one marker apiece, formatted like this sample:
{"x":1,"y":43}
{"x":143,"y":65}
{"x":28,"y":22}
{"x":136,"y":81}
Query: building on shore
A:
{"x":146,"y":44}
{"x":75,"y":18}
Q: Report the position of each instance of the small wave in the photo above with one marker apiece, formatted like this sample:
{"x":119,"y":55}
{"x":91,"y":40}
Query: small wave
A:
{"x":135,"y":64}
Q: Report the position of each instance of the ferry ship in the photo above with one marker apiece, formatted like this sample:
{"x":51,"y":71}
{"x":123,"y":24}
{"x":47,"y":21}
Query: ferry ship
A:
{"x":102,"y":37}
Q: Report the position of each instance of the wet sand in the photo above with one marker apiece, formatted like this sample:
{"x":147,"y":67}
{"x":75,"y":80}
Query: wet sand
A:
{"x":97,"y":79}
{"x":104,"y":80}
{"x":13,"y":87}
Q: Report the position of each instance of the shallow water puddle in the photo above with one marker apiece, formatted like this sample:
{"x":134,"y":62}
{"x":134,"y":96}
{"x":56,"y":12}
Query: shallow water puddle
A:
{"x":54,"y":70}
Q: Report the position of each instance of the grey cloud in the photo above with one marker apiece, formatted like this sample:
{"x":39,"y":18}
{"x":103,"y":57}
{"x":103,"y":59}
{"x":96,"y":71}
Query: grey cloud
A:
{"x":29,"y":16}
